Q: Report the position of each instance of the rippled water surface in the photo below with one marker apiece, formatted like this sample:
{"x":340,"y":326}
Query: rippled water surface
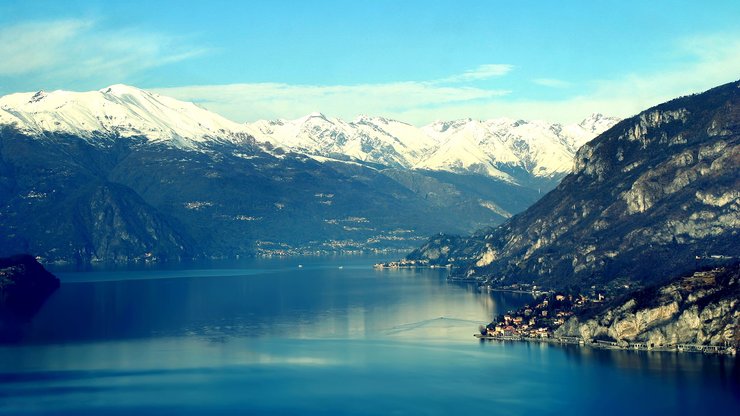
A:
{"x":333,"y":336}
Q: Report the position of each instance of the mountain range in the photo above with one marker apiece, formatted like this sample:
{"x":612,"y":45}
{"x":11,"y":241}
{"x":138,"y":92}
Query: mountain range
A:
{"x":502,"y":148}
{"x":515,"y":151}
{"x":123,"y":174}
{"x":654,"y":197}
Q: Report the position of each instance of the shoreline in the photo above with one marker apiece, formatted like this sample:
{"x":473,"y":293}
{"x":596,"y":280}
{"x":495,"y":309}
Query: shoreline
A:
{"x":527,"y":292}
{"x":609,"y":345}
{"x":384,"y":266}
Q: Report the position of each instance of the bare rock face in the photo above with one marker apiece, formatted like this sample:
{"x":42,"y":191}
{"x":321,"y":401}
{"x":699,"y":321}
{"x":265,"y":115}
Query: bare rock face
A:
{"x":701,"y":309}
{"x":651,"y":198}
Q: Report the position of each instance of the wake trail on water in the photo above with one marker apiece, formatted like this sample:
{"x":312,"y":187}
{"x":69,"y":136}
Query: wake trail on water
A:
{"x":428,"y":322}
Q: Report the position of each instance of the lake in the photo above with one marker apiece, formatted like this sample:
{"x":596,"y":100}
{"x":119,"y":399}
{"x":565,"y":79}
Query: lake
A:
{"x":319,"y":336}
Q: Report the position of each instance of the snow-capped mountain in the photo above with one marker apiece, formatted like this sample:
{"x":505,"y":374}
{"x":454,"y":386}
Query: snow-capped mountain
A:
{"x":493,"y":147}
{"x":118,"y":110}
{"x":79,"y":181}
{"x":367,"y":139}
{"x":498,"y":148}
{"x":499,"y":145}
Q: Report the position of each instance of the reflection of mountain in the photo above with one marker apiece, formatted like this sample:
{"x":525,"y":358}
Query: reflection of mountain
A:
{"x":122,"y":174}
{"x":648,"y":200}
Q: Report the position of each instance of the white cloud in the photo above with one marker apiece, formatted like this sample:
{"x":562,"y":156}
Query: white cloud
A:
{"x":707,"y":61}
{"x":480,"y":73}
{"x":552,"y":82}
{"x":33,"y":46}
{"x":249,"y":102}
{"x":75,"y":49}
{"x":715,"y":62}
{"x":703,"y":62}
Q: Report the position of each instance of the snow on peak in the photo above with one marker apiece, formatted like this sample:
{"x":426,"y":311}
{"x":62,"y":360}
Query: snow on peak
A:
{"x":489,"y":147}
{"x":121,"y":89}
{"x":117,"y":111}
{"x":366,"y":139}
{"x":441,"y":126}
{"x":38,"y":97}
{"x":317,"y":114}
{"x":598,"y":122}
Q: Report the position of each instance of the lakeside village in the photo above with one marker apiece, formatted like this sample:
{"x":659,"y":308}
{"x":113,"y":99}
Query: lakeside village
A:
{"x":538,"y":321}
{"x":549,"y":310}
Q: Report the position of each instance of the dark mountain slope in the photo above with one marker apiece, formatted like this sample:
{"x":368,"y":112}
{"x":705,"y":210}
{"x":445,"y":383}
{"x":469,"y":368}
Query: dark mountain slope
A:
{"x":71,"y":199}
{"x":56,"y":201}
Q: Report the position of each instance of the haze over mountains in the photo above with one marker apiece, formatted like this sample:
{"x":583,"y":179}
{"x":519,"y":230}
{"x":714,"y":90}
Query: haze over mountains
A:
{"x":122,"y":174}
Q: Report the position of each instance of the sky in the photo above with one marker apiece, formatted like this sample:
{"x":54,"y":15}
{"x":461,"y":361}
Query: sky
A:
{"x":415,"y":61}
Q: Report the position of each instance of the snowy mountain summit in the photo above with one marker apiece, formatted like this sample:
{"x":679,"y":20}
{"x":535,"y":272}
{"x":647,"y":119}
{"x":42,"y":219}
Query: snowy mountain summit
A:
{"x":501,"y":148}
{"x":118,"y":111}
{"x":496,"y":147}
{"x":366,"y":139}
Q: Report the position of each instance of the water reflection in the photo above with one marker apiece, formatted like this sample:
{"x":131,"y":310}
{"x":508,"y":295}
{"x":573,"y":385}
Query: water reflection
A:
{"x":318,"y":300}
{"x":668,"y":365}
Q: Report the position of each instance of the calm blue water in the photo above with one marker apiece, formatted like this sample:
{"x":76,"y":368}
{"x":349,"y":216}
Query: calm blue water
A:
{"x":266,"y":336}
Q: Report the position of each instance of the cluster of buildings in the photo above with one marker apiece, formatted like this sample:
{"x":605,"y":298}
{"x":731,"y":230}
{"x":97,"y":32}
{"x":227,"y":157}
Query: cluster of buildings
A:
{"x":540,"y":320}
{"x":409,"y":264}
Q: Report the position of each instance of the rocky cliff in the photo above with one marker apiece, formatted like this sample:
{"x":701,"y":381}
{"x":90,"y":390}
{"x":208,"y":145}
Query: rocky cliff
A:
{"x":648,"y":199}
{"x":702,"y":309}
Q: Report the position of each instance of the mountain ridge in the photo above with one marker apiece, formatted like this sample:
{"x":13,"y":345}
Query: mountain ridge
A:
{"x":496,"y":147}
{"x":118,"y":110}
{"x":660,"y":189}
{"x":491,"y":147}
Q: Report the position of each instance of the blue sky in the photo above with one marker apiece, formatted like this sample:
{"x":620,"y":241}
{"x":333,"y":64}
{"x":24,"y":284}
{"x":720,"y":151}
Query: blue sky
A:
{"x":416,"y":61}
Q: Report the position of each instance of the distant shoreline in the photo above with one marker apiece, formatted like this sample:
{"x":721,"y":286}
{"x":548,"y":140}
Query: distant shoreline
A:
{"x":408,"y":266}
{"x":526,"y":292}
